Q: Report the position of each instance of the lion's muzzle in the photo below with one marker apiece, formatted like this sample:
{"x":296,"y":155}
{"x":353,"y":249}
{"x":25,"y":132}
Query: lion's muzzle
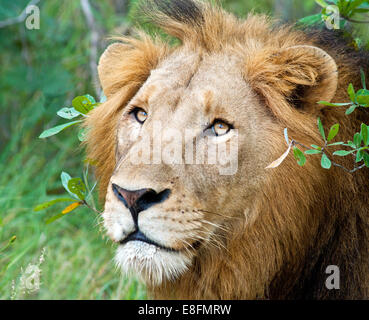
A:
{"x":137,"y":201}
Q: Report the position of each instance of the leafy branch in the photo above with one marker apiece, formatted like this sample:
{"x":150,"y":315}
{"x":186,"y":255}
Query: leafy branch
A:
{"x":359,"y":144}
{"x":79,"y":190}
{"x":346,"y":8}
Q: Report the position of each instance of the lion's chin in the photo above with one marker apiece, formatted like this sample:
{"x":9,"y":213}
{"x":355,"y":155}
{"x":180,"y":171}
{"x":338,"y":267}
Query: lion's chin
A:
{"x":152,"y":263}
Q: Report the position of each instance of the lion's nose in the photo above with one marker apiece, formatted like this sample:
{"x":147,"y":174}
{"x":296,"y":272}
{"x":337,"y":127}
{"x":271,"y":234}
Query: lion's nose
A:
{"x":139,"y":200}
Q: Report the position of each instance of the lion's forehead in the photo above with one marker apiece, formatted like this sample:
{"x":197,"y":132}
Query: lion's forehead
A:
{"x":191,"y":76}
{"x":176,"y":70}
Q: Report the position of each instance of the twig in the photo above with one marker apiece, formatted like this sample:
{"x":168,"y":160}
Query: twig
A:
{"x":95,"y":37}
{"x":88,"y":206}
{"x":20,"y":18}
{"x":294,"y":142}
{"x":302,"y":145}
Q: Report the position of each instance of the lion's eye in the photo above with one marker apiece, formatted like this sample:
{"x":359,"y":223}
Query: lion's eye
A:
{"x":220,"y":127}
{"x":139,"y":114}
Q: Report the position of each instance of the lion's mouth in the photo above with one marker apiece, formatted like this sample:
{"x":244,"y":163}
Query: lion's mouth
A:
{"x":139,"y":236}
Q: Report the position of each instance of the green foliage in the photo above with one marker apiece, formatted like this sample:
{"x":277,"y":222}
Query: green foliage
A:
{"x":356,"y":30}
{"x":359,"y":143}
{"x":50,"y":132}
{"x":48,"y":204}
{"x":358,"y":99}
{"x":359,"y":147}
{"x":41,"y":71}
{"x":81,"y":106}
{"x":78,"y":189}
{"x":84,"y":104}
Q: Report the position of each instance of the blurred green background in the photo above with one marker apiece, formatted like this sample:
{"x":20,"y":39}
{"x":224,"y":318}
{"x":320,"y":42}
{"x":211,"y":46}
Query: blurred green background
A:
{"x":41,"y":71}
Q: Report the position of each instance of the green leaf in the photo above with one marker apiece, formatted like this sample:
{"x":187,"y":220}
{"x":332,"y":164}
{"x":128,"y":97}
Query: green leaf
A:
{"x":351,"y":109}
{"x":312,"y":151}
{"x":321,"y":129}
{"x":65,"y":177}
{"x":311,"y":20}
{"x":53,"y":218}
{"x":362,"y":97}
{"x":57,"y":129}
{"x":82,"y":104}
{"x":351,"y":92}
{"x":366,"y":159}
{"x":331,"y":104}
{"x":362,"y":74}
{"x":335,"y":144}
{"x":315,"y":147}
{"x":76,"y":186}
{"x":364,"y":132}
{"x":342,"y":153}
{"x":299,"y":156}
{"x":333,"y":131}
{"x":351,"y":144}
{"x":325,"y":162}
{"x":66,"y":210}
{"x":48,"y":204}
{"x":68,"y":113}
{"x":359,"y":156}
{"x":91,"y":98}
{"x":357,"y":139}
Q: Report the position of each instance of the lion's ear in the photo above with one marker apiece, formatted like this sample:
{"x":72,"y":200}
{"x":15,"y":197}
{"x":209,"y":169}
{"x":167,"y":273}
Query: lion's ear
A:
{"x":128,"y":62}
{"x":302,"y":74}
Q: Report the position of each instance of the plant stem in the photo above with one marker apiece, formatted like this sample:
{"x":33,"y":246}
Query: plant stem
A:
{"x":88,"y":206}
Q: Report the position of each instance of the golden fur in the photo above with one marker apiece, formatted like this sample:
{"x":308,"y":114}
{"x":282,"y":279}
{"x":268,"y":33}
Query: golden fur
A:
{"x":269,"y":233}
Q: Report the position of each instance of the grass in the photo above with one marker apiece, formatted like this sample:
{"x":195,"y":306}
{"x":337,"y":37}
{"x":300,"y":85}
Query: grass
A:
{"x":78,"y":257}
{"x":42,"y":70}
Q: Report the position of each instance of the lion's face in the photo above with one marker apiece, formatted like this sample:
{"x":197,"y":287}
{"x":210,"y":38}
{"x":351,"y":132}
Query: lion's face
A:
{"x":163,"y":210}
{"x":182,"y":145}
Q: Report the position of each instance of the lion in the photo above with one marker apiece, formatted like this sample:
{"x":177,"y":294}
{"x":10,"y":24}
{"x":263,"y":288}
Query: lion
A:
{"x":188,"y":229}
